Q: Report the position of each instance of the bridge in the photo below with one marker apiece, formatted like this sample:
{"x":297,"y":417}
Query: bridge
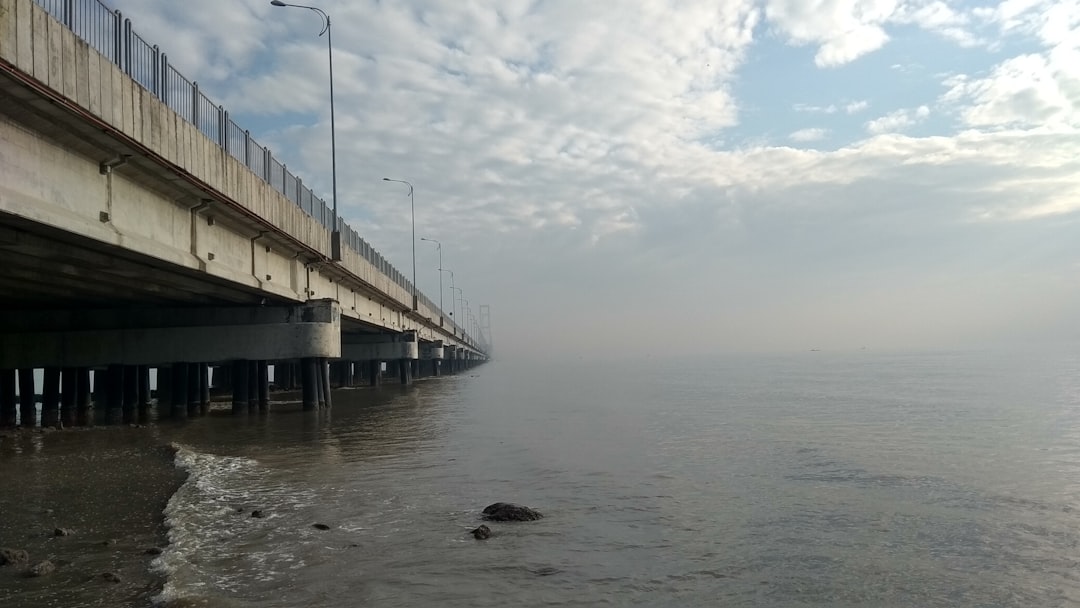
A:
{"x":143,"y":233}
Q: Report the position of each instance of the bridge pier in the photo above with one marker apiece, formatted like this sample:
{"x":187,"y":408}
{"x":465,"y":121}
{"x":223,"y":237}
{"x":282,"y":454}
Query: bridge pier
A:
{"x":84,"y":412}
{"x":264,"y":386}
{"x":324,"y":380}
{"x":145,"y":399}
{"x":69,"y":386}
{"x":309,"y":383}
{"x":240,"y":386}
{"x":50,"y":397}
{"x":178,"y":405}
{"x":27,"y":411}
{"x":130,"y":392}
{"x":8,"y":408}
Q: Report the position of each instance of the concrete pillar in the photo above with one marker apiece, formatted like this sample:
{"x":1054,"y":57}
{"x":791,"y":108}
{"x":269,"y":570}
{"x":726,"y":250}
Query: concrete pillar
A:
{"x":240,"y":386}
{"x":27,"y":411}
{"x":101,"y":383}
{"x":223,"y":377}
{"x":131,"y":393}
{"x":164,"y":389}
{"x":436,"y":367}
{"x":264,"y":386}
{"x":282,"y":373}
{"x":309,"y":383}
{"x":253,"y":385}
{"x":328,"y":402}
{"x":144,"y":392}
{"x":8,"y":409}
{"x":374,"y":372}
{"x":69,"y":384}
{"x":113,"y":396}
{"x":204,"y":389}
{"x":84,"y":413}
{"x":416,"y":369}
{"x":179,"y":399}
{"x":320,"y":383}
{"x":194,"y":390}
{"x":50,"y":397}
{"x":405,"y":371}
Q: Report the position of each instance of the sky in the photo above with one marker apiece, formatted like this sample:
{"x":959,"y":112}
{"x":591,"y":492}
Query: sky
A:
{"x":684,"y":177}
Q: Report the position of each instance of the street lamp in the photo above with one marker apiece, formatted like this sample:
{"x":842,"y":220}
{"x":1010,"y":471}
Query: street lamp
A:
{"x":412,"y":204}
{"x":460,"y":293}
{"x":438,"y":246}
{"x":453,"y":301}
{"x":335,"y":234}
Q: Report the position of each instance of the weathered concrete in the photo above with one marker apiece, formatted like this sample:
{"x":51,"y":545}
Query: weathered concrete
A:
{"x":383,"y":347}
{"x":147,"y":336}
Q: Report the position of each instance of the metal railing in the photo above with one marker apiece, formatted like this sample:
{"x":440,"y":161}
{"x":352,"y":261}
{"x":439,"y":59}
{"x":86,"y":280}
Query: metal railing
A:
{"x":110,"y":33}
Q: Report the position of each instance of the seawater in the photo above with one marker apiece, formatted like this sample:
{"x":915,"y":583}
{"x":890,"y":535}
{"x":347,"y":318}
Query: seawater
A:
{"x":810,"y":479}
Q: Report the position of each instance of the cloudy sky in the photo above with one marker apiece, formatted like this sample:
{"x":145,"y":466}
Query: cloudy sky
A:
{"x":686,"y":176}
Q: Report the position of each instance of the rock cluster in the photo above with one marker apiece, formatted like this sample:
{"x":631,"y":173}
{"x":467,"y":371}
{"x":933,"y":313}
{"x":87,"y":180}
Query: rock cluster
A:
{"x":505,"y":511}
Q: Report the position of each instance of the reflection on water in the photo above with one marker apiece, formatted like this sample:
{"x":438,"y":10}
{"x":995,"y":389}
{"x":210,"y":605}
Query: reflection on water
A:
{"x":813,"y":479}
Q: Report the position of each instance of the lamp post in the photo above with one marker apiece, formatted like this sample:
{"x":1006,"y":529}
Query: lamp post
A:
{"x":412,"y":205}
{"x":438,"y":245}
{"x":457,"y":320}
{"x":335,"y":234}
{"x":453,"y":302}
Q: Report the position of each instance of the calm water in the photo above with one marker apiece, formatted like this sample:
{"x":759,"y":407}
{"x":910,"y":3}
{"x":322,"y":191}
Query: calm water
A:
{"x":806,"y":480}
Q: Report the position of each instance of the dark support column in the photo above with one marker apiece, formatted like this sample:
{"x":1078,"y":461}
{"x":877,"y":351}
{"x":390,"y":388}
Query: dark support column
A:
{"x":114,"y":394}
{"x":223,"y":375}
{"x":436,"y":367}
{"x":194,"y":390}
{"x":309,"y":383}
{"x":328,"y":402}
{"x":101,"y":384}
{"x":8,"y":409}
{"x":405,"y":370}
{"x":27,"y":411}
{"x":69,"y":383}
{"x":178,"y":404}
{"x":145,"y":399}
{"x":239,"y":378}
{"x":84,"y":413}
{"x":350,"y":373}
{"x":204,"y":389}
{"x":320,"y":384}
{"x":50,"y":397}
{"x":375,"y":372}
{"x":264,"y":386}
{"x":253,"y":385}
{"x":131,"y":393}
{"x":281,"y":375}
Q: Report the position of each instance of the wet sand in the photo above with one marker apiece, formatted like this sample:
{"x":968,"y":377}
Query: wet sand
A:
{"x":109,"y":486}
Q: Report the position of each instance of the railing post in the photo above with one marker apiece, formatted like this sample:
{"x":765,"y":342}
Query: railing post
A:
{"x":223,"y":128}
{"x":157,"y":71}
{"x":195,"y":104}
{"x":127,"y":46}
{"x":118,"y":37}
{"x":267,"y":157}
{"x":299,"y":192}
{"x":247,"y":149}
{"x":69,"y":14}
{"x":164,"y":93}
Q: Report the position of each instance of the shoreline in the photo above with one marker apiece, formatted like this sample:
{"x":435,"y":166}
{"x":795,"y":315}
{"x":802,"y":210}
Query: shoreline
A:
{"x":109,"y":487}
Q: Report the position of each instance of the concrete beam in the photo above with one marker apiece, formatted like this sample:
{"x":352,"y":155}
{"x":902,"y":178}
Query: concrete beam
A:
{"x":380,"y":347}
{"x":431,"y":350}
{"x":147,"y":337}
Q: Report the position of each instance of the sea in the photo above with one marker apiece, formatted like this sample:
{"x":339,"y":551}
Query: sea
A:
{"x":803,"y":479}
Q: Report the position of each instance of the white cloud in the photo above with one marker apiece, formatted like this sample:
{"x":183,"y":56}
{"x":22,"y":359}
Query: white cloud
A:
{"x":805,"y":135}
{"x":897,"y":121}
{"x":843,"y":30}
{"x":856,"y":106}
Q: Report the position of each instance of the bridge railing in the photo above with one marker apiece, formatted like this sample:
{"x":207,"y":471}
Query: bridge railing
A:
{"x":111,"y":34}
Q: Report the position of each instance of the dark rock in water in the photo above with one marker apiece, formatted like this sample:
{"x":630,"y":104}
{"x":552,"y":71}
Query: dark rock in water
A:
{"x":504,"y":511}
{"x":63,"y":532}
{"x":153,"y":551}
{"x":41,"y":569}
{"x":257,"y":514}
{"x":112,"y":577}
{"x":320,"y":526}
{"x":481,"y":533}
{"x":14,"y":557}
{"x":107,"y":542}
